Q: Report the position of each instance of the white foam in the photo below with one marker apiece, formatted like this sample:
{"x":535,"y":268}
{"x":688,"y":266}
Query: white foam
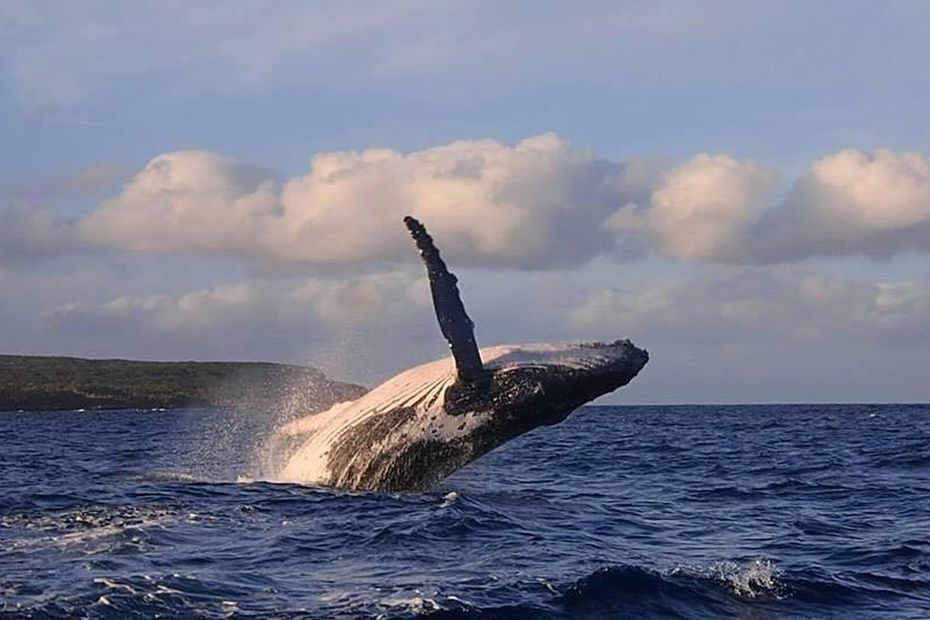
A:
{"x":746,"y":580}
{"x":413,"y":604}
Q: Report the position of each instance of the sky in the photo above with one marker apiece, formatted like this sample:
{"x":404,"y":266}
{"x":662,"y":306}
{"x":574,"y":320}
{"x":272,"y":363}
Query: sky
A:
{"x":741,"y":188}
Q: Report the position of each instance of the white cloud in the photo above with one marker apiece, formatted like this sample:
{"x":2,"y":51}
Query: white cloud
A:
{"x":763,"y":305}
{"x":31,"y":229}
{"x":380,"y":296}
{"x":90,"y":180}
{"x":773,"y":333}
{"x":189,"y":201}
{"x":714,"y":209}
{"x":190,"y":313}
{"x":318,"y":303}
{"x":363,"y":328}
{"x":537,"y":204}
{"x":27,"y":233}
{"x":700,"y":210}
{"x":852,"y":202}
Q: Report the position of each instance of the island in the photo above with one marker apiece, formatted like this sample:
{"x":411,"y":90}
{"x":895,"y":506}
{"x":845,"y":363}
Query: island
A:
{"x":44,"y":383}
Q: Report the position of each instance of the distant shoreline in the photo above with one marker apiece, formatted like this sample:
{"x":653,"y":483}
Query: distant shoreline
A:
{"x":51,"y":383}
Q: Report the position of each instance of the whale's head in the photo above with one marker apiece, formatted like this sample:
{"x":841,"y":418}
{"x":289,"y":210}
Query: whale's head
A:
{"x":538,"y":385}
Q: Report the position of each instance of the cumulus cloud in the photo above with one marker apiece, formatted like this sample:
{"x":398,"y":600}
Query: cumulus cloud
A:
{"x":339,"y":303}
{"x":30,"y":229}
{"x":27,"y":233}
{"x":847,"y":203}
{"x":314,"y":302}
{"x":90,"y":180}
{"x":717,"y":209}
{"x":364,"y":328}
{"x":711,"y":337}
{"x":537,"y":204}
{"x":190,"y":313}
{"x":191,"y":201}
{"x":700,"y":210}
{"x":763,"y":305}
{"x":852,"y":202}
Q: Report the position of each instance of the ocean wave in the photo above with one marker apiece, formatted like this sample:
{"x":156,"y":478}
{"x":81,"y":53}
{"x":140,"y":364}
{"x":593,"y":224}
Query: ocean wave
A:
{"x":722,"y":589}
{"x":90,"y":529}
{"x":684,"y":591}
{"x":681,"y":591}
{"x":126,"y":516}
{"x":727,"y":588}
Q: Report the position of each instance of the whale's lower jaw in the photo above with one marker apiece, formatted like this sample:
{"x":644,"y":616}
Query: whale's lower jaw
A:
{"x":416,"y":429}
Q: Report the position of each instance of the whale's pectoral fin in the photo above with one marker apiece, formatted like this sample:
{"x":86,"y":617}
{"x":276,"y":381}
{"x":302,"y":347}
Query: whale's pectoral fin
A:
{"x":456,"y":327}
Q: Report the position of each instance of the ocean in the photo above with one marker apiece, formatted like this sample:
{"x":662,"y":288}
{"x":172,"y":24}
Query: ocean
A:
{"x":620,"y":512}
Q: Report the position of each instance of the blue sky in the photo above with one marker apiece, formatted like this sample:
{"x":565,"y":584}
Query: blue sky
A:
{"x":741,"y":188}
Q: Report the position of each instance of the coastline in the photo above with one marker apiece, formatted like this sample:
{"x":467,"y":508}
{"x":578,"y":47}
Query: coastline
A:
{"x":52,"y":383}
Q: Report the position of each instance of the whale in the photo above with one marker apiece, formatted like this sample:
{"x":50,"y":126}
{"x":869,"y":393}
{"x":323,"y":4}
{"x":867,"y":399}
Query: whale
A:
{"x":417,"y":428}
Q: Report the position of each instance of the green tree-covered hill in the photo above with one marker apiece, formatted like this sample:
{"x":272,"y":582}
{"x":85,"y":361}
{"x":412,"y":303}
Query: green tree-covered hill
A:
{"x":57,"y":383}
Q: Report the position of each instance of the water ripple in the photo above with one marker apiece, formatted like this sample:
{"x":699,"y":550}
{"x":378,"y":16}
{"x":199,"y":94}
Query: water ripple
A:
{"x":687,"y":512}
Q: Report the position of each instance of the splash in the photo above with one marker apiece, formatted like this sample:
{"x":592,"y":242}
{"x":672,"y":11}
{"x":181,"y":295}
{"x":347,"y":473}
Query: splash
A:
{"x":749,"y":580}
{"x":242,"y":444}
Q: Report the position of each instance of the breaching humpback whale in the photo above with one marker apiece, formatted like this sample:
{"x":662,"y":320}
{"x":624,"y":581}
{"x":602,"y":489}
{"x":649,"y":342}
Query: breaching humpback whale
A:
{"x":417,"y":428}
